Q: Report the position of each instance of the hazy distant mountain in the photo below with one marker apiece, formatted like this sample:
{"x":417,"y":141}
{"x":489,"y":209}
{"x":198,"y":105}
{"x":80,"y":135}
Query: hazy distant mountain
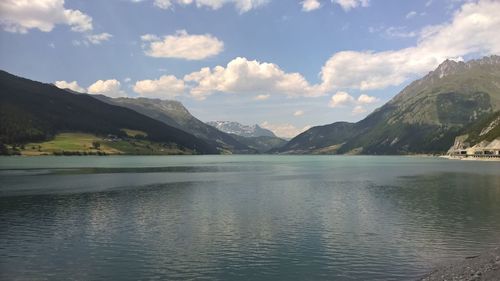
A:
{"x":34,"y":111}
{"x":262,"y":144}
{"x":173,"y":113}
{"x":423,"y":118}
{"x":240,"y":129}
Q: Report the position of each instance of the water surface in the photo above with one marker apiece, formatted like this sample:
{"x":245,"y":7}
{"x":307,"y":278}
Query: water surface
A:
{"x":242,"y":217}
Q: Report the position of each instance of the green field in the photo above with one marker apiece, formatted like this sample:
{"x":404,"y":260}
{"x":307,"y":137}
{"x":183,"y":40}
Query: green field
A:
{"x":135,"y":133}
{"x":88,"y":144}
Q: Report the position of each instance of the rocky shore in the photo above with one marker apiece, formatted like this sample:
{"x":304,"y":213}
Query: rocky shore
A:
{"x":484,"y":267}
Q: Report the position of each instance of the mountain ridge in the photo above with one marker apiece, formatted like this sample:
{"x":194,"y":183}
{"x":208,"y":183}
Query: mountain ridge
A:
{"x":35,"y":111}
{"x":423,"y":118}
{"x":175,"y":114}
{"x":232,"y":127}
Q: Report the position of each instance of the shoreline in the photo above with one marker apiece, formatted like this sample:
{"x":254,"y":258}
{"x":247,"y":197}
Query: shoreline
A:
{"x":492,"y":159}
{"x":485,"y":267}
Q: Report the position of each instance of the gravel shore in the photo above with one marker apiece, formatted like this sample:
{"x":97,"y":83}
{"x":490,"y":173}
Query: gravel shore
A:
{"x":482,"y":267}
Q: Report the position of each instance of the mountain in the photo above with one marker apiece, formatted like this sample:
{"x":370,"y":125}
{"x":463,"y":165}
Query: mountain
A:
{"x":240,"y":129}
{"x":486,"y":129}
{"x":174,"y":114}
{"x":262,"y":144}
{"x":33,"y":111}
{"x":483,"y":137}
{"x":424,"y":117}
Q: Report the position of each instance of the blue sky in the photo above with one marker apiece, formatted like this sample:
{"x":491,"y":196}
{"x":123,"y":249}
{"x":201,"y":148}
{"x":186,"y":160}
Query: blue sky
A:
{"x":283,"y":64}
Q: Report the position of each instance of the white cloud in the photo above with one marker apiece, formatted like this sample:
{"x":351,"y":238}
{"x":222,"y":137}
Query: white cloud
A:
{"x":411,"y":14}
{"x":298,"y":113}
{"x":262,"y":97}
{"x":69,"y":85}
{"x":473,"y":30}
{"x":150,"y":37}
{"x":310,"y":5}
{"x":366,"y":99}
{"x":23,"y":15}
{"x":399,"y":32}
{"x":110,"y":88}
{"x":351,"y":4}
{"x":284,"y":130}
{"x":166,"y":87}
{"x":162,"y":4}
{"x":182,"y":46}
{"x":96,"y":39}
{"x":341,"y":99}
{"x":358,"y":109}
{"x":241,"y":5}
{"x":92,"y":39}
{"x":245,"y":76}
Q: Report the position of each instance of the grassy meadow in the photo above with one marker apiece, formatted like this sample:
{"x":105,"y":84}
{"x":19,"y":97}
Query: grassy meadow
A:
{"x":89,"y":144}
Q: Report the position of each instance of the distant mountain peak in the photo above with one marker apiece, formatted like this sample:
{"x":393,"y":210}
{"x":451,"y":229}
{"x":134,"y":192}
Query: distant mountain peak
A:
{"x":423,"y":118}
{"x":447,"y":67}
{"x":239,"y":129}
{"x":451,"y":66}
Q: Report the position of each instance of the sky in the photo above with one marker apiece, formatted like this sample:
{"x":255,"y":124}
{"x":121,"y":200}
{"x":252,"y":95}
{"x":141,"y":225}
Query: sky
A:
{"x":285,"y":65}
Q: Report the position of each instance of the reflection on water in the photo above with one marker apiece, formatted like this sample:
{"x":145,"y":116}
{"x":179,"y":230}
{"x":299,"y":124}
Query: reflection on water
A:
{"x":243,"y":217}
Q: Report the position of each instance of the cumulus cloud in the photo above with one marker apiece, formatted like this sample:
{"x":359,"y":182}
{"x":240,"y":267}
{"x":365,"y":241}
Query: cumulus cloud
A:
{"x":182,"y":45}
{"x":110,"y":88}
{"x":150,"y":37}
{"x":262,"y":97}
{"x":248,"y":76}
{"x":366,"y":99}
{"x":310,"y":5}
{"x":241,"y":5}
{"x":351,"y":4}
{"x":341,"y":99}
{"x":473,"y":30}
{"x":69,"y":85}
{"x":166,"y":87}
{"x":298,"y":113}
{"x":284,"y":130}
{"x":97,"y":39}
{"x":23,"y":15}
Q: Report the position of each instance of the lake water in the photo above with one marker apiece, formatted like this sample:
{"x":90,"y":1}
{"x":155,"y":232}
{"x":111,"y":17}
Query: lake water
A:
{"x":242,"y":217}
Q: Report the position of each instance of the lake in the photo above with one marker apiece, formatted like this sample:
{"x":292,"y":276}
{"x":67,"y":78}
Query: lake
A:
{"x":242,"y":217}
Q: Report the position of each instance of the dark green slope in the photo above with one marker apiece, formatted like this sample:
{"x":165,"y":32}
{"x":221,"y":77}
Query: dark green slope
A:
{"x":320,"y":137}
{"x":424,"y":118}
{"x":34,"y":111}
{"x":485,"y":129}
{"x":174,"y":114}
{"x":262,"y":144}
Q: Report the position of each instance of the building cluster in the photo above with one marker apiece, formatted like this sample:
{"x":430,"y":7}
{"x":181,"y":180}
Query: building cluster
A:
{"x":484,"y":149}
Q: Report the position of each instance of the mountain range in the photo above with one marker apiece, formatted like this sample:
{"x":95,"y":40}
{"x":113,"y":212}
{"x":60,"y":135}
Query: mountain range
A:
{"x":424,"y":117}
{"x":174,"y":114}
{"x":254,"y":136}
{"x":456,"y":99}
{"x":31,"y":111}
{"x":235,"y":128}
